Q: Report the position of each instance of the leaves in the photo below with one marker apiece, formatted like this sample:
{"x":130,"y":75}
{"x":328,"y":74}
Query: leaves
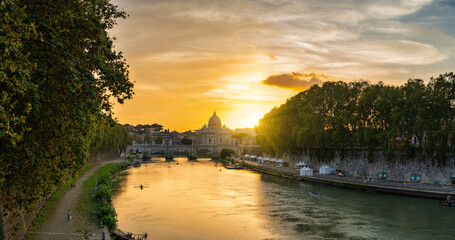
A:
{"x":58,"y":75}
{"x":338,"y":115}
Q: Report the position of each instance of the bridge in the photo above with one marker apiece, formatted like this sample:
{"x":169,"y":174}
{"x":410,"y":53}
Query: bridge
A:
{"x":193,"y":149}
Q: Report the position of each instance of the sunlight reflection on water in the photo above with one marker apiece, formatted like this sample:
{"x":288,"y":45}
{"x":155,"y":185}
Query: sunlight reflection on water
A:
{"x":195,"y":200}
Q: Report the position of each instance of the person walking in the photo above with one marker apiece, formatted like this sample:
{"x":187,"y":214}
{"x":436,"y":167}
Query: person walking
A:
{"x":104,"y":236}
{"x":69,"y":215}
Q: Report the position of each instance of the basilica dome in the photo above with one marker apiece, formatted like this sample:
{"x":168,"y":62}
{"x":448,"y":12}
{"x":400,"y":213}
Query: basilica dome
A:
{"x":214,"y":121}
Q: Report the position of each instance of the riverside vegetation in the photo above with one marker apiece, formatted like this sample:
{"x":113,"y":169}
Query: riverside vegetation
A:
{"x":105,"y":211}
{"x":58,"y":76}
{"x":415,"y":118}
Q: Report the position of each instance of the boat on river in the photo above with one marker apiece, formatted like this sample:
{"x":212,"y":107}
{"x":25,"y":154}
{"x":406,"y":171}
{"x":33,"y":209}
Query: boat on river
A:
{"x":449,"y":201}
{"x":236,"y":166}
{"x":316,"y":194}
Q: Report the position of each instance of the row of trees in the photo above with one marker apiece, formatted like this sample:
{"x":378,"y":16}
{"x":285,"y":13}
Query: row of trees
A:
{"x":58,"y":75}
{"x":412,"y":118}
{"x":140,"y":128}
{"x":110,"y":136}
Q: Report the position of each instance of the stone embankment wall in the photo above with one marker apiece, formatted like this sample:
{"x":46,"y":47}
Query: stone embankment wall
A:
{"x":398,"y":169}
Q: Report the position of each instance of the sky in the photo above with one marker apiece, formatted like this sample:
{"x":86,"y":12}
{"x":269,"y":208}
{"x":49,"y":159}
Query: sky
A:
{"x":242,"y":58}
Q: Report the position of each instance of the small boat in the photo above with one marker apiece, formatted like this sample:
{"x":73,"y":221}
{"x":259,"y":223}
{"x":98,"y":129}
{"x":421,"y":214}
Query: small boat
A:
{"x":316,"y":194}
{"x":450,"y":202}
{"x":233,"y":167}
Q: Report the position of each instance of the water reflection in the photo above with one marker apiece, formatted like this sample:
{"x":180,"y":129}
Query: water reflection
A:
{"x":195,"y":200}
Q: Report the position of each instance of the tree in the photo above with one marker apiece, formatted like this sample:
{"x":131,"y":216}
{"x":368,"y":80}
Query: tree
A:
{"x":147,"y":138}
{"x":156,"y":127}
{"x":226,"y":152}
{"x":186,"y":141}
{"x":46,"y":132}
{"x":327,"y":119}
{"x":137,"y":138}
{"x":159,"y":140}
{"x":239,"y":135}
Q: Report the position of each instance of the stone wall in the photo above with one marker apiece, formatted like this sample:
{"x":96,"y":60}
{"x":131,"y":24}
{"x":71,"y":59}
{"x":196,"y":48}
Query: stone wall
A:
{"x":397,"y":169}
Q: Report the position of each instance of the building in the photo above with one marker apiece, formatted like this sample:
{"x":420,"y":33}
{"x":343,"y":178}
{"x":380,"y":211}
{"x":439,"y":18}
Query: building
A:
{"x":214,"y":134}
{"x":210,"y":139}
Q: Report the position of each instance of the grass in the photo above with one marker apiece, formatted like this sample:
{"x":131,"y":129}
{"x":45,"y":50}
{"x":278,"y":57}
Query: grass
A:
{"x":86,"y":206}
{"x":49,"y":206}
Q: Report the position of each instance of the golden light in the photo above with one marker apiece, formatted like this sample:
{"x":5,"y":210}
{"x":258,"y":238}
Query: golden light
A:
{"x":246,"y":116}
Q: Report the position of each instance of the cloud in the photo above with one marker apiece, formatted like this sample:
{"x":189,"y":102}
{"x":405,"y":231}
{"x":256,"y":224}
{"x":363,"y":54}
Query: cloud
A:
{"x":297,"y":81}
{"x":189,"y":57}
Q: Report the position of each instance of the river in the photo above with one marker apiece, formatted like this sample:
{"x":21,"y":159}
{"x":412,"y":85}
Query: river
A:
{"x":202,"y":200}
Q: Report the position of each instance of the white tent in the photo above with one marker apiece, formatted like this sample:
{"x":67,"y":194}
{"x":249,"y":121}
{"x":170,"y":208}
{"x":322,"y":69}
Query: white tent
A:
{"x":306,"y":171}
{"x":273,"y":161}
{"x":301,"y":165}
{"x":326,"y":170}
{"x":261,"y":159}
{"x":280,"y":162}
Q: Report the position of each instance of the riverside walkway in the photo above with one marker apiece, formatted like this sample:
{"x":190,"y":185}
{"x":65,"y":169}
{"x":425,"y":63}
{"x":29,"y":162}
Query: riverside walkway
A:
{"x":58,"y":227}
{"x":356,"y":182}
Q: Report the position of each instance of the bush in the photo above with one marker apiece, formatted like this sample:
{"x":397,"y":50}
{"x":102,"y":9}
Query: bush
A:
{"x":106,"y":212}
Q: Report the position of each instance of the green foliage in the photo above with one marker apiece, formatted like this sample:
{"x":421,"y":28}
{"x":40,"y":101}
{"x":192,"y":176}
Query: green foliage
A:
{"x":156,"y":127}
{"x":147,"y":138}
{"x":62,"y":46}
{"x":45,"y":212}
{"x":226,"y":152}
{"x":87,"y":204}
{"x":159,"y":140}
{"x":239,"y":135}
{"x":328,"y":119}
{"x":137,"y":138}
{"x":110,"y":136}
{"x":186,"y":141}
{"x":106,"y":212}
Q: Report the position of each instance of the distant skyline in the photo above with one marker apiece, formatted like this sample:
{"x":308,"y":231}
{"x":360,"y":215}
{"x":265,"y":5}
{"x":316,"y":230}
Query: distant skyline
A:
{"x":242,"y":58}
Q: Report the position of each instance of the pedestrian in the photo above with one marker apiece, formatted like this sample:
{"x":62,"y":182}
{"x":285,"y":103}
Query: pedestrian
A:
{"x":104,"y":236}
{"x":69,"y":215}
{"x":74,"y":185}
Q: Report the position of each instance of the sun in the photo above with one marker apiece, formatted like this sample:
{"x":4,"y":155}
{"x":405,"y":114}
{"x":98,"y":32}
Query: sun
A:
{"x":245,"y":119}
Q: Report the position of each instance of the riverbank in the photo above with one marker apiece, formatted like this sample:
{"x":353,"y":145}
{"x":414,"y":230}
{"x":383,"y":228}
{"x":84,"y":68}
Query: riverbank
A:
{"x":82,"y":224}
{"x":353,"y":182}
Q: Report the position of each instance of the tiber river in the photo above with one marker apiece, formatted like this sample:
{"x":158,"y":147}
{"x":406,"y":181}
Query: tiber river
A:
{"x":195,"y":200}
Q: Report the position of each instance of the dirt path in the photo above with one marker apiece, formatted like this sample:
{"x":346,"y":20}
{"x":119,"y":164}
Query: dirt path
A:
{"x":57,"y":225}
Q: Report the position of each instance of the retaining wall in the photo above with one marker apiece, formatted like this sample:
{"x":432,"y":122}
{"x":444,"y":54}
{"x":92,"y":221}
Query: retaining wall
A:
{"x":397,"y":169}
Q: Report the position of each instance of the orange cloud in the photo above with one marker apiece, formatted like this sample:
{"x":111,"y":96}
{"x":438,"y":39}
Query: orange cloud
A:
{"x":297,"y":81}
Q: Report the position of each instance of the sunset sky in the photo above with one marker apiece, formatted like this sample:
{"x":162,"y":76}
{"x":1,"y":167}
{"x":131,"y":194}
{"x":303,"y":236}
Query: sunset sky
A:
{"x":242,"y":58}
